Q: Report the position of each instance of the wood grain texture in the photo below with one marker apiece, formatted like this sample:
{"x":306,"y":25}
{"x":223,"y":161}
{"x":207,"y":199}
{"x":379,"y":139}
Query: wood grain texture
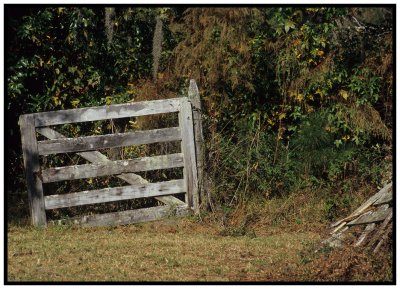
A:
{"x":32,"y":170}
{"x":189,"y":152}
{"x":368,"y":229}
{"x":115,"y":194}
{"x":194,"y":98}
{"x":91,"y":143}
{"x":379,"y":215}
{"x":133,"y":216}
{"x":365,"y":205}
{"x":386,"y":195}
{"x":112,"y":168}
{"x":106,"y":112}
{"x":97,"y":157}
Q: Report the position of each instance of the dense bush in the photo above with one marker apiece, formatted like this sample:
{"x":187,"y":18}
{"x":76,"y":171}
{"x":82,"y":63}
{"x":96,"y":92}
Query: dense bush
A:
{"x":293,"y":97}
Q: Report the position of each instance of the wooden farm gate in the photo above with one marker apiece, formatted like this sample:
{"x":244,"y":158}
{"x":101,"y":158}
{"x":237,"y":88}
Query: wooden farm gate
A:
{"x":99,"y":165}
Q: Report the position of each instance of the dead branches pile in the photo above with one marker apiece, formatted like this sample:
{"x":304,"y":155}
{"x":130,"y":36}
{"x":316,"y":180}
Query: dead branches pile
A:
{"x":369,"y":225}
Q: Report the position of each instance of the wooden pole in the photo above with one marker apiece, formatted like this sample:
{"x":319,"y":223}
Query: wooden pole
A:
{"x":32,"y":170}
{"x":194,"y":98}
{"x":189,"y":154}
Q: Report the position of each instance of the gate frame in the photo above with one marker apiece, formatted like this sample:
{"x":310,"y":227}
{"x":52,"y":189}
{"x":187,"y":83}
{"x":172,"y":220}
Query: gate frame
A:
{"x":190,"y":134}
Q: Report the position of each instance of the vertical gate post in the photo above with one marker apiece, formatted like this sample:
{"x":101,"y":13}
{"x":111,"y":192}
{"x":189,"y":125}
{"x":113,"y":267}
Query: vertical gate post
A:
{"x":32,"y":170}
{"x":194,"y":98}
{"x":189,"y":152}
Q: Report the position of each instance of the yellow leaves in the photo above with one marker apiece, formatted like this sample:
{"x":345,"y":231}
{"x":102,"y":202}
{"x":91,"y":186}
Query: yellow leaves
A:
{"x":344,"y":94}
{"x":299,"y":97}
{"x":108,"y":100}
{"x":320,"y":52}
{"x":329,"y":82}
{"x":319,"y":91}
{"x":133,"y":124}
{"x":56,"y":100}
{"x":296,"y":95}
{"x":75,"y":102}
{"x":312,"y":61}
{"x":60,"y":10}
{"x":346,"y":137}
{"x":270,"y":122}
{"x":90,"y":43}
{"x":98,"y":130}
{"x":282,"y":115}
{"x":90,"y":181}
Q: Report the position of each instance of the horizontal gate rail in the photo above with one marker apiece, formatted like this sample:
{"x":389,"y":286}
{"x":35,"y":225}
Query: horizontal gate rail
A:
{"x":115,"y":194}
{"x":97,"y":157}
{"x":112,"y":168}
{"x":87,"y":147}
{"x":106,"y":112}
{"x":89,"y":143}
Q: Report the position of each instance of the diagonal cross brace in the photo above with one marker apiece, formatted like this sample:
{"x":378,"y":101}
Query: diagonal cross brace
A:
{"x":96,"y":157}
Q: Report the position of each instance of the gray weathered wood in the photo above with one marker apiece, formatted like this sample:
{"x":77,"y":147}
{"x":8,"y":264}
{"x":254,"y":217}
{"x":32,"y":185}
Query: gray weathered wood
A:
{"x":189,"y":152}
{"x":379,"y":215}
{"x":32,"y":170}
{"x":386,"y":197}
{"x":132,"y":216}
{"x":115,"y":194}
{"x":89,"y":143}
{"x":383,"y":239}
{"x":194,"y":98}
{"x":133,"y":109}
{"x":112,"y":168}
{"x":381,"y":229}
{"x":336,"y":240}
{"x":136,"y":179}
{"x":97,"y":157}
{"x":368,"y":229}
{"x":338,"y":228}
{"x":365,"y":205}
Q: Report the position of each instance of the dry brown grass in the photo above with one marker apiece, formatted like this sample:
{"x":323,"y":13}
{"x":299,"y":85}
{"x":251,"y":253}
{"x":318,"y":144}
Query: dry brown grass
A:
{"x":175,"y":250}
{"x":185,"y":250}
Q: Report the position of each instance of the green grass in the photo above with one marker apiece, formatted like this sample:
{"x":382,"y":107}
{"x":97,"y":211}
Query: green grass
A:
{"x":180,"y":250}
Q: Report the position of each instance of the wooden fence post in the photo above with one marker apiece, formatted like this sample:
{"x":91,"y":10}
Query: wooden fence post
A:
{"x":32,"y":170}
{"x":194,"y":98}
{"x":189,"y":152}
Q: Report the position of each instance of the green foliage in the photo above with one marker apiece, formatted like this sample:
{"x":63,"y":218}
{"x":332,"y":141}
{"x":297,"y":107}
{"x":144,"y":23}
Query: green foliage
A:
{"x":292,"y":96}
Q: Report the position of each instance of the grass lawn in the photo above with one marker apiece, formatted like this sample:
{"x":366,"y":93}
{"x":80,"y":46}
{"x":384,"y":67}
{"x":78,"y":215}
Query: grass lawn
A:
{"x":172,"y":250}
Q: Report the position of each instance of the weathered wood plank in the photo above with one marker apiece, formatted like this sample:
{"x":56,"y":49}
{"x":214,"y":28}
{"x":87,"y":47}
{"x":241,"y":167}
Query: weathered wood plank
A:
{"x":189,"y":152}
{"x":379,"y":215}
{"x":112,"y":168}
{"x":115,"y":194}
{"x":386,"y":197}
{"x":89,"y":143}
{"x":384,"y":236}
{"x":194,"y":98}
{"x":132,"y":216}
{"x":97,"y":157}
{"x":365,"y":205}
{"x":381,"y":229}
{"x":136,"y":179}
{"x":133,"y":109}
{"x":368,"y":229}
{"x":32,"y":170}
